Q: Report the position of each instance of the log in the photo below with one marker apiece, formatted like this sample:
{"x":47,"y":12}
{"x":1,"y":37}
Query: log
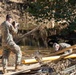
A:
{"x":9,"y":68}
{"x":70,"y":56}
{"x":24,"y":69}
{"x":26,"y":34}
{"x":64,"y":56}
{"x":51,"y":58}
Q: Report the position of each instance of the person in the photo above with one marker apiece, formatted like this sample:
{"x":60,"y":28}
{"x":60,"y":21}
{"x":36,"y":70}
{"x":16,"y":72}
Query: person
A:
{"x":8,"y":44}
{"x":61,"y":46}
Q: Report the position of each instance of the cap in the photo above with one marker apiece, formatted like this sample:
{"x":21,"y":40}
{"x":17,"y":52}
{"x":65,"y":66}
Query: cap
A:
{"x":8,"y":16}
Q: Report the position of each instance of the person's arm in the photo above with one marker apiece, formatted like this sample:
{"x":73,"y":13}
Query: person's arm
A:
{"x":68,"y":51}
{"x":14,"y":30}
{"x":0,"y":30}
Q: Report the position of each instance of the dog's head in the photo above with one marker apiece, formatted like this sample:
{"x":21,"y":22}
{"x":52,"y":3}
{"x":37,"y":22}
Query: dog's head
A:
{"x":15,"y":24}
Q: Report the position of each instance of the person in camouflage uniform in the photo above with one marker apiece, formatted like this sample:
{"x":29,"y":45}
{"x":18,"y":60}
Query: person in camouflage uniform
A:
{"x":61,"y":46}
{"x":8,"y":44}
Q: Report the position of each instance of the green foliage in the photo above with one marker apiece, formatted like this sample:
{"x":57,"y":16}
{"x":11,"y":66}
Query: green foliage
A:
{"x":40,"y":10}
{"x":59,"y":9}
{"x":72,"y":27}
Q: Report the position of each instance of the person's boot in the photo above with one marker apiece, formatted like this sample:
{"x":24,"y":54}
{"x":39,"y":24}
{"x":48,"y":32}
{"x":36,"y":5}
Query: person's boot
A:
{"x":17,"y":68}
{"x":4,"y":71}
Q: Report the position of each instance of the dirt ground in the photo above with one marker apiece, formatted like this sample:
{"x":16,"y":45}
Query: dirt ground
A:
{"x":56,"y":66}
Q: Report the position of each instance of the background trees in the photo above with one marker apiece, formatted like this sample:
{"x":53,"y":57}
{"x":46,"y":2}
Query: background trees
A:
{"x":31,"y":13}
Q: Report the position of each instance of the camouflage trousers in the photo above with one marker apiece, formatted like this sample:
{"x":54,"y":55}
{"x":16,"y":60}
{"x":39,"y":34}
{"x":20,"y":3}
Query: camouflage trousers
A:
{"x":6,"y":52}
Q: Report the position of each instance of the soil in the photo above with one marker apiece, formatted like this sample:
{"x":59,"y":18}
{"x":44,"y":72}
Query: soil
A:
{"x":56,"y":66}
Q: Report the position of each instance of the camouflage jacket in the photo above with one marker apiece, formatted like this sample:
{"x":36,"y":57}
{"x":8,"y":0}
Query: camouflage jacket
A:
{"x":7,"y":30}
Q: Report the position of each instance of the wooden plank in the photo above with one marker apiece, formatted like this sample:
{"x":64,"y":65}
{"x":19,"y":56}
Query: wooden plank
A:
{"x":9,"y":68}
{"x":24,"y":69}
{"x":63,"y":50}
